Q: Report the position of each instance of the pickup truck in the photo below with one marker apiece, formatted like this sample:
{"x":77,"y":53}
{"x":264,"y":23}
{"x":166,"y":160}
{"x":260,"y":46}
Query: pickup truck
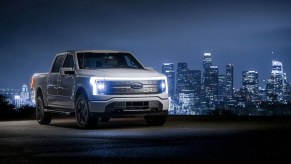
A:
{"x":96,"y":85}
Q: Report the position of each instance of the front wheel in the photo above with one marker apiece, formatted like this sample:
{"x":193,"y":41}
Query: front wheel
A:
{"x":84,"y":120}
{"x":156,"y":120}
{"x":42,"y":117}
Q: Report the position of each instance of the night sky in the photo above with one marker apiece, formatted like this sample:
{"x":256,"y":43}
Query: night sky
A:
{"x":248,"y":34}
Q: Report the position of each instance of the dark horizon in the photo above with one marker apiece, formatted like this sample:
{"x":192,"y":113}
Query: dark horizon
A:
{"x":248,"y":34}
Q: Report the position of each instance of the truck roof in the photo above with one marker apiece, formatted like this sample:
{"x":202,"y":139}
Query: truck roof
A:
{"x":95,"y":51}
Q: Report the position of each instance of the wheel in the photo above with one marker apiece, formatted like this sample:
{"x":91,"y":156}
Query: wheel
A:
{"x":156,"y":120}
{"x":42,"y":117}
{"x":105,"y":119}
{"x":83,"y":117}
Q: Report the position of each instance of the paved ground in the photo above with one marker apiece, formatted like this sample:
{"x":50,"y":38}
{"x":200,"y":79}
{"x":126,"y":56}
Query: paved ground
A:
{"x":181,"y":139}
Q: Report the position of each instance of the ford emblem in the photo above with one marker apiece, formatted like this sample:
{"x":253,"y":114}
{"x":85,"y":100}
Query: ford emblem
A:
{"x":136,"y":85}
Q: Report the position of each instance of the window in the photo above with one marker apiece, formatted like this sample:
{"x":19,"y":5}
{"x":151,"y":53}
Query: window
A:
{"x":130,"y":62}
{"x":69,"y":61}
{"x":107,"y":60}
{"x":58,"y":63}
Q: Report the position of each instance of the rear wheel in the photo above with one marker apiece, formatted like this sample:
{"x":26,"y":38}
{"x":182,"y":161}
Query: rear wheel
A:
{"x":83,"y":117}
{"x":42,"y":117}
{"x":156,"y":120}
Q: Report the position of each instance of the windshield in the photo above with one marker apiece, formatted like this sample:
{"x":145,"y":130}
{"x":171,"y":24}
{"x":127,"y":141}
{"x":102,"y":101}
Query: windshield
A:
{"x":107,"y":60}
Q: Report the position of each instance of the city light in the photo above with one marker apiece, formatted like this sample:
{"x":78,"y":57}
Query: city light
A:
{"x":203,"y":91}
{"x":16,"y":97}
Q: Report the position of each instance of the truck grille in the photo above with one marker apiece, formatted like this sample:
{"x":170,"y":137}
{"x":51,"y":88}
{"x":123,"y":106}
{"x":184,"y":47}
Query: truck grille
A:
{"x":133,"y":87}
{"x":132,"y":105}
{"x":122,"y":106}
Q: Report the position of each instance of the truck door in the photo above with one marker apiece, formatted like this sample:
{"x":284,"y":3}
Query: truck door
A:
{"x":52,"y":81}
{"x":67,"y":84}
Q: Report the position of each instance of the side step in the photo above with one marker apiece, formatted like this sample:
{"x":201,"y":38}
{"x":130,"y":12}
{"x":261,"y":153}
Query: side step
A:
{"x":57,"y":111}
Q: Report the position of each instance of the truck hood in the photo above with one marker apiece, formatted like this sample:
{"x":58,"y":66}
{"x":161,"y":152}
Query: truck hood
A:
{"x":121,"y":73}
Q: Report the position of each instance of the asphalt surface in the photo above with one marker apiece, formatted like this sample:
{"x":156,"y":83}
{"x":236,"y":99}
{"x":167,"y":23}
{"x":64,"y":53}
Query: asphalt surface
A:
{"x":129,"y":140}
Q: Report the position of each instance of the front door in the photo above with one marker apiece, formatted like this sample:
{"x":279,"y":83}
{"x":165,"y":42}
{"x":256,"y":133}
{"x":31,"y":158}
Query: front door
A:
{"x":53,"y":81}
{"x":67,"y":85}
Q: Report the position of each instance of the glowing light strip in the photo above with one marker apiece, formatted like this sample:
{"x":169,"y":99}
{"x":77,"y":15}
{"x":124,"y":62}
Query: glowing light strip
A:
{"x":134,"y":78}
{"x":166,"y":81}
{"x":94,"y":79}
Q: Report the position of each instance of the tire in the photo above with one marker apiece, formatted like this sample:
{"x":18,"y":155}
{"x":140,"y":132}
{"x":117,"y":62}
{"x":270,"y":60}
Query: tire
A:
{"x":156,"y":120}
{"x":42,"y":117}
{"x":105,"y":119}
{"x":82,"y":114}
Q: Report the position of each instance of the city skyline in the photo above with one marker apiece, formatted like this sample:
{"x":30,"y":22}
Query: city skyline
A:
{"x":223,"y":71}
{"x":173,"y":72}
{"x":247,"y":34}
{"x":203,"y":91}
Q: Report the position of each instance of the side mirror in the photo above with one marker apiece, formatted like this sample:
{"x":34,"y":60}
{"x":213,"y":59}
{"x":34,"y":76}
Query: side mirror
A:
{"x":67,"y":71}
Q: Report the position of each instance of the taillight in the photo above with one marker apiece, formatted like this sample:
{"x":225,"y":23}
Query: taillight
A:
{"x":32,"y":83}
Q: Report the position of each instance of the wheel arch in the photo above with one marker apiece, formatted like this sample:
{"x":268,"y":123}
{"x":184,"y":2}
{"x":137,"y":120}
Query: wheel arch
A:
{"x":40,"y":92}
{"x":80,"y":91}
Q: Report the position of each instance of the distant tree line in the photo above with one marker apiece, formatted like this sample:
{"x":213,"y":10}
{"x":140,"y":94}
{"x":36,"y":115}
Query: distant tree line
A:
{"x":276,"y":108}
{"x":250,"y":109}
{"x":8,"y":111}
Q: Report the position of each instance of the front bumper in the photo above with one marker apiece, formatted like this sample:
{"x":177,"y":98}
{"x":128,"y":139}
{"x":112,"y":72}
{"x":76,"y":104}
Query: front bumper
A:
{"x":130,"y":106}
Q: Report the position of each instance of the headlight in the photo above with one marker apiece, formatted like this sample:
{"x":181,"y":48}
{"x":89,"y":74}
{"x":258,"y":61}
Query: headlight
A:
{"x":98,"y":85}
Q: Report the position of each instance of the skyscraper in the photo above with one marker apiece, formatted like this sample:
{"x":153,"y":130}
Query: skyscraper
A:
{"x":169,"y":72}
{"x":194,"y":77}
{"x":277,"y":85}
{"x":185,"y":89}
{"x":229,"y":81}
{"x":186,"y":100}
{"x":250,"y":82}
{"x":287,"y":90}
{"x":270,"y":90}
{"x":221,"y":87}
{"x":207,"y":61}
{"x":182,"y":77}
{"x":277,"y":75}
{"x":287,"y":93}
{"x":210,"y":86}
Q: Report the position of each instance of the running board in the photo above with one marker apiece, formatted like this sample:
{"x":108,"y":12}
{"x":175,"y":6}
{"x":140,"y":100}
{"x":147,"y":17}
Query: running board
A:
{"x":54,"y":111}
